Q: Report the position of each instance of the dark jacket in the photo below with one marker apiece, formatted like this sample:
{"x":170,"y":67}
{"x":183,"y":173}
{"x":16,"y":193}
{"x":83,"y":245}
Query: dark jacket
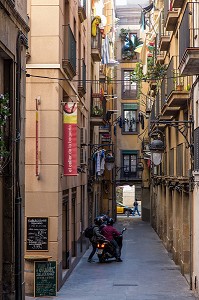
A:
{"x":110,"y":232}
{"x":96,"y":235}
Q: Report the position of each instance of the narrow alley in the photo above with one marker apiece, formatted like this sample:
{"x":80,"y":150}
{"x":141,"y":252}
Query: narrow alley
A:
{"x":146,"y":273}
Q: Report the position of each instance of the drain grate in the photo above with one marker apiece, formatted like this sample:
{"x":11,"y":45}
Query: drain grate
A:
{"x":125,"y":284}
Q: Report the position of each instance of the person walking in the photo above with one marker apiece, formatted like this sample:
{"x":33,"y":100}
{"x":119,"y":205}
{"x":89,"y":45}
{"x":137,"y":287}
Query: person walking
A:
{"x":135,"y":208}
{"x":96,"y":236}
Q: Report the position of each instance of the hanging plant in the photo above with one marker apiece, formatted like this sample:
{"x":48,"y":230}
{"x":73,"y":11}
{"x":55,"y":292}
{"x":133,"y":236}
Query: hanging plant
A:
{"x":4,"y":114}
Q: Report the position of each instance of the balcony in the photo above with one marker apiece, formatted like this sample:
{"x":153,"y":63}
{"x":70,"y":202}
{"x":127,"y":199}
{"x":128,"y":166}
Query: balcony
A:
{"x":82,"y":79}
{"x":164,"y":42}
{"x":175,"y":91}
{"x":98,"y":106}
{"x":188,"y":41}
{"x":96,"y":44}
{"x":160,"y":59}
{"x":124,"y":175}
{"x":82,"y":10}
{"x":177,"y":3}
{"x":69,"y":55}
{"x":171,"y":21}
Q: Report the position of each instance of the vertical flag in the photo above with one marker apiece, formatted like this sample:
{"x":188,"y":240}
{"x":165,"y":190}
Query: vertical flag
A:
{"x":70,"y":138}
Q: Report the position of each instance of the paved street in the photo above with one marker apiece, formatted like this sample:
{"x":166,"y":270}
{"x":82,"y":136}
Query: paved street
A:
{"x":146,"y":273}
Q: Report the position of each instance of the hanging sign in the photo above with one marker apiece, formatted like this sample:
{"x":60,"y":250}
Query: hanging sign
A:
{"x":70,"y":138}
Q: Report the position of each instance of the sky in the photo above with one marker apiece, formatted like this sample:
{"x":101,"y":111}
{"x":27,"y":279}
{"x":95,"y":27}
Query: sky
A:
{"x":143,"y":3}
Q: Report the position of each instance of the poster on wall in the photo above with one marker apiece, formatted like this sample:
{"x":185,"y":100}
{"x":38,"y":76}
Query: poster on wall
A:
{"x":70,"y":138}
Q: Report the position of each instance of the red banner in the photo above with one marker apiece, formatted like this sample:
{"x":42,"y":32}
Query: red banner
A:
{"x":70,"y":139}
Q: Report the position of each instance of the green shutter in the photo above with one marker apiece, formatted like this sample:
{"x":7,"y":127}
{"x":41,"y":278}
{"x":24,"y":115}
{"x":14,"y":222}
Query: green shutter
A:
{"x":130,"y":152}
{"x":130,"y":106}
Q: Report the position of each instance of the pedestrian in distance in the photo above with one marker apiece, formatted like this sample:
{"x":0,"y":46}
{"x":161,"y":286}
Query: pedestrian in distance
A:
{"x":135,"y":209}
{"x":96,"y":235}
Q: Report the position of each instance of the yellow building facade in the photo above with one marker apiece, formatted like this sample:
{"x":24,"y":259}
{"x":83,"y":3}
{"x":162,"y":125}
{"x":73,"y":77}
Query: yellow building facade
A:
{"x":173,"y":84}
{"x":63,"y":72}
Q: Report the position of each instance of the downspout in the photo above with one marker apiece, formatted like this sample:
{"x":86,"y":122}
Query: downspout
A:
{"x":21,"y":40}
{"x":191,"y":188}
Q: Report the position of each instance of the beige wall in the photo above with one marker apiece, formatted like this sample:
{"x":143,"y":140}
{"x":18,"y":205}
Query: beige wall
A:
{"x":44,"y":194}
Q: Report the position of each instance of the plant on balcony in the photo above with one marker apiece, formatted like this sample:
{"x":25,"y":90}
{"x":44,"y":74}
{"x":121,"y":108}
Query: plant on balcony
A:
{"x":156,"y":72}
{"x":4,"y":114}
{"x":97,"y":111}
{"x":128,"y":49}
{"x":138,"y":76}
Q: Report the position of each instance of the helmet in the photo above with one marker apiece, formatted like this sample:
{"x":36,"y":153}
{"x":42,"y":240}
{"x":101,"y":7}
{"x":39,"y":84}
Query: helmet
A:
{"x":110,"y":221}
{"x":98,"y":221}
{"x":104,"y":218}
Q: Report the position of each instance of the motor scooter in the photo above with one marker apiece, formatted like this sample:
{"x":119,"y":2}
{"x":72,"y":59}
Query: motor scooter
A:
{"x":105,"y":250}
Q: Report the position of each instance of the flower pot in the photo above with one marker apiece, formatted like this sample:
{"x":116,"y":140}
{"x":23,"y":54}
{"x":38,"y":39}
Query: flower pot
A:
{"x":179,"y":87}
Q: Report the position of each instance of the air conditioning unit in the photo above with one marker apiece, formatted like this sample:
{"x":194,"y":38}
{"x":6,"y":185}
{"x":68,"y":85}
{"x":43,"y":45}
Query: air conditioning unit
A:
{"x":83,"y":160}
{"x":83,"y":136}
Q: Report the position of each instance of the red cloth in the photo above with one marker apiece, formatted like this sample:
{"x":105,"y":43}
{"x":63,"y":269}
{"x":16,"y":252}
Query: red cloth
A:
{"x":109,"y":232}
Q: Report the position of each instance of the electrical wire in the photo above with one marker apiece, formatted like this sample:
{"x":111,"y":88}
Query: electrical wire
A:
{"x":145,"y":79}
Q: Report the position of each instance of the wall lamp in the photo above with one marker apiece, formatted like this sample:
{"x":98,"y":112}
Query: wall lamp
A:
{"x":109,"y":161}
{"x":156,"y":147}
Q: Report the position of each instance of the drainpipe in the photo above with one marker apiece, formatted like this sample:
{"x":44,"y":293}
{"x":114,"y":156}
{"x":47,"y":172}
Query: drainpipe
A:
{"x":21,"y":40}
{"x":191,"y":181}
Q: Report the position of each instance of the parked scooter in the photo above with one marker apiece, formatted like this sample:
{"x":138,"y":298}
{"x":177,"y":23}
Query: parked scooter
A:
{"x":105,"y":250}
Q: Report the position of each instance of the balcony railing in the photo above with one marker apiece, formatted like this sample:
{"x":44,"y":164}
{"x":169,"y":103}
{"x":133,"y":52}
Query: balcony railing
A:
{"x":164,"y":43}
{"x":177,"y":3}
{"x":82,"y":10}
{"x":82,"y":79}
{"x":69,"y":53}
{"x":98,"y":105}
{"x":175,"y":88}
{"x":124,"y":174}
{"x":96,"y":45}
{"x":188,"y":40}
{"x":171,"y":17}
{"x":163,"y":92}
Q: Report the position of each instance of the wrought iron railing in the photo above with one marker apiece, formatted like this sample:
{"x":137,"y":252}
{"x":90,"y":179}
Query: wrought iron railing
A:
{"x":163,"y":92}
{"x":96,"y":41}
{"x":82,"y":77}
{"x":189,"y":28}
{"x":69,"y":47}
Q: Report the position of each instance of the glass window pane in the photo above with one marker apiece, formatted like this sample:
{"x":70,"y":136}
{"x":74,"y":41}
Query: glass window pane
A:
{"x":130,"y":120}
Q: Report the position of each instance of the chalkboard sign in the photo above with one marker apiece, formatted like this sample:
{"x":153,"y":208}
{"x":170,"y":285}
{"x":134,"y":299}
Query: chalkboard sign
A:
{"x":37,"y":234}
{"x":45,"y":279}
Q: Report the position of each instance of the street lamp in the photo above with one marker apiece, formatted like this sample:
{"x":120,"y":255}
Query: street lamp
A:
{"x":109,"y":161}
{"x":157,"y":148}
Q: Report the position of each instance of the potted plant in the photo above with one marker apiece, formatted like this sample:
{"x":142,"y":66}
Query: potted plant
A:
{"x":130,"y":44}
{"x":97,"y":111}
{"x":180,"y":85}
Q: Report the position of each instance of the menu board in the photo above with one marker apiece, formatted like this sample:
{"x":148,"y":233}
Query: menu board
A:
{"x":45,"y":278}
{"x":37,"y":234}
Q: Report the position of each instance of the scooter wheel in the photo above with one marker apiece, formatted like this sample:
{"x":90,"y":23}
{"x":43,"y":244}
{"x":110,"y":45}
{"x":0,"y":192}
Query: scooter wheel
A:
{"x":101,"y":260}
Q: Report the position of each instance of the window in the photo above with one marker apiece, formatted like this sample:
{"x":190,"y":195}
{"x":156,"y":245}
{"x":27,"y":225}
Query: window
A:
{"x":129,"y":162}
{"x":129,"y":88}
{"x":130,"y":42}
{"x":129,"y":118}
